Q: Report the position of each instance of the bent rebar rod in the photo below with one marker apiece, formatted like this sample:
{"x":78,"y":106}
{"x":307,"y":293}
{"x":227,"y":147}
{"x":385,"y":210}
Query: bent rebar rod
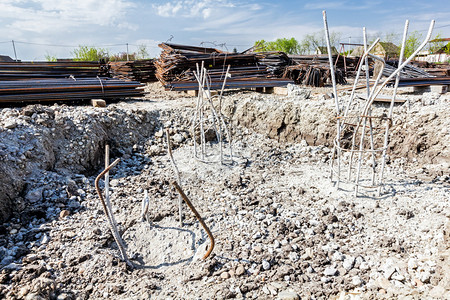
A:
{"x":330,"y":59}
{"x":400,"y":67}
{"x":186,"y":199}
{"x":114,"y":230}
{"x":177,"y":174}
{"x":107,"y":199}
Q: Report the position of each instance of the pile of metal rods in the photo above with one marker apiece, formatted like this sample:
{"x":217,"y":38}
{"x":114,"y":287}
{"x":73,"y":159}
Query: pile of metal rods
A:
{"x":424,"y":81}
{"x":51,"y":70}
{"x":138,"y":70}
{"x":409,"y":71}
{"x":177,"y":63}
{"x":68,"y":89}
{"x":312,"y":75}
{"x":369,"y":134}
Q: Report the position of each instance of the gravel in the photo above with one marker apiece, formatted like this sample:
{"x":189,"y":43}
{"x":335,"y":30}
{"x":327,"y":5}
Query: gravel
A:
{"x":282,"y":229}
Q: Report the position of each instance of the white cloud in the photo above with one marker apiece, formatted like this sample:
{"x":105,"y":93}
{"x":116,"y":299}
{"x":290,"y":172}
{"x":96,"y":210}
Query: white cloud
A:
{"x":325,"y":5}
{"x":199,"y":8}
{"x":48,"y":16}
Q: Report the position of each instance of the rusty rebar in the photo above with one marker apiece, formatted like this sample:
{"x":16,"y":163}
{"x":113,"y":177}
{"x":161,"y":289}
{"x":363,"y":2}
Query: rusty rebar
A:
{"x":188,"y":202}
{"x":177,"y":174}
{"x":114,"y":231}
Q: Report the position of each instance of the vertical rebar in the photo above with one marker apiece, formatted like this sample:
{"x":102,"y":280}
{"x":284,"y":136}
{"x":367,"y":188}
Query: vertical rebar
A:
{"x":177,"y":174}
{"x":109,"y":216}
{"x":388,"y":120}
{"x":14,"y":48}
{"x":336,"y":100}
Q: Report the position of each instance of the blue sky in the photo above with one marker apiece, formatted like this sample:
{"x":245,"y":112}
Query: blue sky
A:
{"x":55,"y":27}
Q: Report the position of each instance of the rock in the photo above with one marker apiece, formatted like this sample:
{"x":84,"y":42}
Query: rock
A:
{"x":424,"y":276}
{"x":384,"y":283}
{"x":178,"y":138}
{"x":240,"y":270}
{"x":397,"y":276}
{"x":64,"y":213}
{"x":34,"y":195}
{"x":265,"y":265}
{"x":288,"y":295}
{"x":10,"y":124}
{"x":364,"y":266}
{"x":159,"y":133}
{"x":64,"y":296}
{"x":348,"y":263}
{"x":293,"y":256}
{"x":45,"y":239}
{"x":356,"y":280}
{"x":257,"y":249}
{"x":438,"y":292}
{"x":330,"y":271}
{"x":225,"y":275}
{"x":388,"y":268}
{"x":256,"y":236}
{"x":308,"y":254}
{"x":412,"y":264}
{"x":265,"y":289}
{"x":338,"y":256}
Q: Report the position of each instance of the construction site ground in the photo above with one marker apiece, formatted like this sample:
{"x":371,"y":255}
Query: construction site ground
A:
{"x":282,"y":228}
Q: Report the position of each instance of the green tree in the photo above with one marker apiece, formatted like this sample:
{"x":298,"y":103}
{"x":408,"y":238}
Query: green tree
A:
{"x":288,"y":46}
{"x":436,"y":45}
{"x":50,"y":57}
{"x":412,"y":43}
{"x":86,"y":53}
{"x":311,"y":41}
{"x":142,"y":52}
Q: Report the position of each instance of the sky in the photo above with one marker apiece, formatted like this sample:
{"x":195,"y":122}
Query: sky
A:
{"x":41,"y":28}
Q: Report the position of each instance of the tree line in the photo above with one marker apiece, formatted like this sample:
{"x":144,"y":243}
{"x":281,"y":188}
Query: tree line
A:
{"x":310,"y":43}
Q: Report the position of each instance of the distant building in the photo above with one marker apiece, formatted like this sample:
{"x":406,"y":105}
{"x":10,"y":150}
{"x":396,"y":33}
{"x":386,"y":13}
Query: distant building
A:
{"x":385,"y":50}
{"x":323,"y":50}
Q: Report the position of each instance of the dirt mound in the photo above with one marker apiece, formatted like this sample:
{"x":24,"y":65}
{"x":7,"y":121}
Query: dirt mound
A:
{"x":420,"y":134}
{"x":39,"y":138}
{"x":286,"y":119}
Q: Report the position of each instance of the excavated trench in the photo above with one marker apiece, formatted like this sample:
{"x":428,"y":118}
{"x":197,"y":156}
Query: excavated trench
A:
{"x":70,"y":140}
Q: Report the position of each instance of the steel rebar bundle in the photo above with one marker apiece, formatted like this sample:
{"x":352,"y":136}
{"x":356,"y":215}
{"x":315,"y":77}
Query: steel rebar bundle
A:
{"x":138,"y":70}
{"x":208,"y":119}
{"x":176,"y":66}
{"x":51,"y":70}
{"x":68,"y":89}
{"x":361,"y":134}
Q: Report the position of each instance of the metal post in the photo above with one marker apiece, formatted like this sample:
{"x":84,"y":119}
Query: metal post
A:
{"x":14,"y":47}
{"x":127,"y":53}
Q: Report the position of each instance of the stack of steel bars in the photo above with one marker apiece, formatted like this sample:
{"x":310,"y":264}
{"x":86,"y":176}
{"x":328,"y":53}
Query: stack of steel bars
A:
{"x":177,"y":63}
{"x":423,"y":81}
{"x":138,"y":70}
{"x":48,"y":70}
{"x":314,"y":70}
{"x":68,"y":89}
{"x":409,"y":71}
